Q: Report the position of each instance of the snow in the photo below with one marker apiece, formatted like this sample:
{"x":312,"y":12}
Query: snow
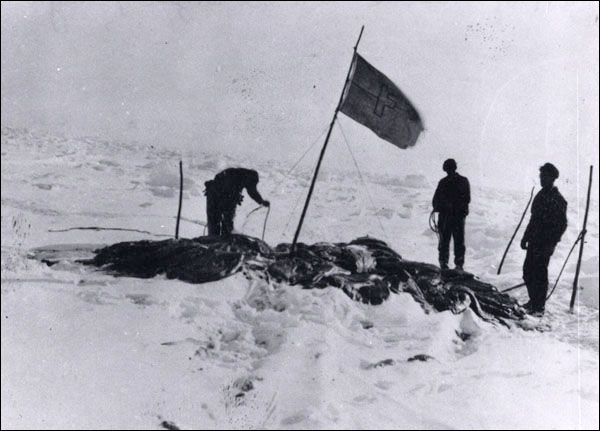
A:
{"x":82,"y":349}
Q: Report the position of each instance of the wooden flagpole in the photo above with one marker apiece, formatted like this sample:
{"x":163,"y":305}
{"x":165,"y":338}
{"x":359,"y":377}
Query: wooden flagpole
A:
{"x":312,"y":184}
{"x":583,"y":232}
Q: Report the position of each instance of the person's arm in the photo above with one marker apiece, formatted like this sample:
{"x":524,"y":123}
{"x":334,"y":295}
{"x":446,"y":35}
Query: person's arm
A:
{"x":436,"y":199}
{"x":527,"y":234}
{"x":525,"y":239}
{"x":466,"y":196}
{"x":561,"y":220}
{"x":533,"y":218}
{"x":254,"y":194}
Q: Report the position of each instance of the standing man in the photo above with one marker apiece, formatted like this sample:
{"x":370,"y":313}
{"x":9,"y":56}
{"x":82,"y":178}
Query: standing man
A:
{"x":547,"y":224}
{"x":451,"y":200}
{"x":224,"y":193}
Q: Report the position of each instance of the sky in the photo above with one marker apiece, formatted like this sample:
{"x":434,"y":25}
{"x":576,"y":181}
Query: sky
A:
{"x":501,"y":87}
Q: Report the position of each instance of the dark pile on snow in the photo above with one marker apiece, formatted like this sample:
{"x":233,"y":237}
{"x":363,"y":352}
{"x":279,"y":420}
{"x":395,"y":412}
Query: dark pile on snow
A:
{"x":366,"y":269}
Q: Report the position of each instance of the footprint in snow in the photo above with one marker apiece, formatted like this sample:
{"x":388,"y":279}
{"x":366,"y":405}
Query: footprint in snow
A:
{"x":141,"y":299}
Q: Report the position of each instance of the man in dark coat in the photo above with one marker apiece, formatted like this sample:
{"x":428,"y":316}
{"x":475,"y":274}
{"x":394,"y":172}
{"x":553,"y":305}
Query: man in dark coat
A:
{"x":451,"y":201}
{"x":224,"y":193}
{"x":546,"y":226}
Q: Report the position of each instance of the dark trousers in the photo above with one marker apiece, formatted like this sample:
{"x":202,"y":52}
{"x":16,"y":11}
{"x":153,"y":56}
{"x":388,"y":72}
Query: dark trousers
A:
{"x":220,"y":213}
{"x":451,"y":227}
{"x":535,"y":274}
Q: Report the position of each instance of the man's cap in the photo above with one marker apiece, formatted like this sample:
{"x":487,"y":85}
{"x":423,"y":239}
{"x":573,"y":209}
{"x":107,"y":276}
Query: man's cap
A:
{"x":550,"y":169}
{"x":449,"y":165}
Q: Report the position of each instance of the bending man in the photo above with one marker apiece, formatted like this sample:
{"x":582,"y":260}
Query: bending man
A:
{"x":224,"y":193}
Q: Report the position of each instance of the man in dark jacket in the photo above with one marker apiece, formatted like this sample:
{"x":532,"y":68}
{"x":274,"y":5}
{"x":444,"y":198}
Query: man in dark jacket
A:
{"x":224,"y":193}
{"x":451,"y":201}
{"x":546,"y":226}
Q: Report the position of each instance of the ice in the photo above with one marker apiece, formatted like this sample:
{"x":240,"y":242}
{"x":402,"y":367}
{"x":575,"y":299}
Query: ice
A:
{"x":82,"y":349}
{"x":416,"y":182}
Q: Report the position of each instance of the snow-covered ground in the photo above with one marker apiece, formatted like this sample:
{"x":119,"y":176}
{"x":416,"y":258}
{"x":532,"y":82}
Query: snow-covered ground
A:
{"x":82,"y":349}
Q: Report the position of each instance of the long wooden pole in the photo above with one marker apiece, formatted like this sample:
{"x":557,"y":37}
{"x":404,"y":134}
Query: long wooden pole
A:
{"x":180,"y":198}
{"x":312,"y":184}
{"x":513,"y":288}
{"x":514,"y":234}
{"x":583,"y":232}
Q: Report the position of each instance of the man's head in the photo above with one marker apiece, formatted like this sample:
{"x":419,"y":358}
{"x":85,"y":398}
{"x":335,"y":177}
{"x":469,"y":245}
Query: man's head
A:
{"x":449,"y":166}
{"x":548,"y":173}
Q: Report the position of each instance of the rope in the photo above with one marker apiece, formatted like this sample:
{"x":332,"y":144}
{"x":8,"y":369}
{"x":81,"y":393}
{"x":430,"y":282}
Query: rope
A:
{"x":433,"y":225}
{"x":248,"y":216}
{"x":362,"y":180}
{"x":265,"y":223}
{"x":285,"y":177}
{"x":287,"y":223}
{"x":254,"y":210}
{"x":307,"y":151}
{"x":299,"y":160}
{"x":109,"y":228}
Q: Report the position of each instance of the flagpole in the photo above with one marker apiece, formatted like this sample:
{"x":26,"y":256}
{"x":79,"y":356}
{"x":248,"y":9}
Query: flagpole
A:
{"x":314,"y":179}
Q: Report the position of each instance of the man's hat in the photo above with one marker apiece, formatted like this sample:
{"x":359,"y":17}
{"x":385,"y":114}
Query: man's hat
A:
{"x":550,"y":169}
{"x":449,"y":165}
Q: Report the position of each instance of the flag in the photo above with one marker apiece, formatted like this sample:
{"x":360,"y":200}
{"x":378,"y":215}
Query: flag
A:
{"x":376,"y":102}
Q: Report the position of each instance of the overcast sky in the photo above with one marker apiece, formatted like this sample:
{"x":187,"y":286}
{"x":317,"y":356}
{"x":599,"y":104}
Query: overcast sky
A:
{"x":501,"y":87}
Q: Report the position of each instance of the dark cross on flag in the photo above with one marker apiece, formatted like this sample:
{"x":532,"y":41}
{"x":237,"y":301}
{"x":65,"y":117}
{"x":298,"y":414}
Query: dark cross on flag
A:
{"x":377,"y":103}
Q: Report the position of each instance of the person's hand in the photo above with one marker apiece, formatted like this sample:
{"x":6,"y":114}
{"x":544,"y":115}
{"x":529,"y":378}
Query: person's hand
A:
{"x":524,"y":244}
{"x":266,"y":204}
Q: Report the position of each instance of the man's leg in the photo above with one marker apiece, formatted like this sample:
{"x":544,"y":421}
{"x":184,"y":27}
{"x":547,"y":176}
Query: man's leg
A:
{"x":227,"y":219}
{"x":535,"y":275}
{"x":458,"y":235}
{"x":540,"y":277}
{"x":213,"y":214}
{"x":444,"y":233}
{"x":529,"y":274}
